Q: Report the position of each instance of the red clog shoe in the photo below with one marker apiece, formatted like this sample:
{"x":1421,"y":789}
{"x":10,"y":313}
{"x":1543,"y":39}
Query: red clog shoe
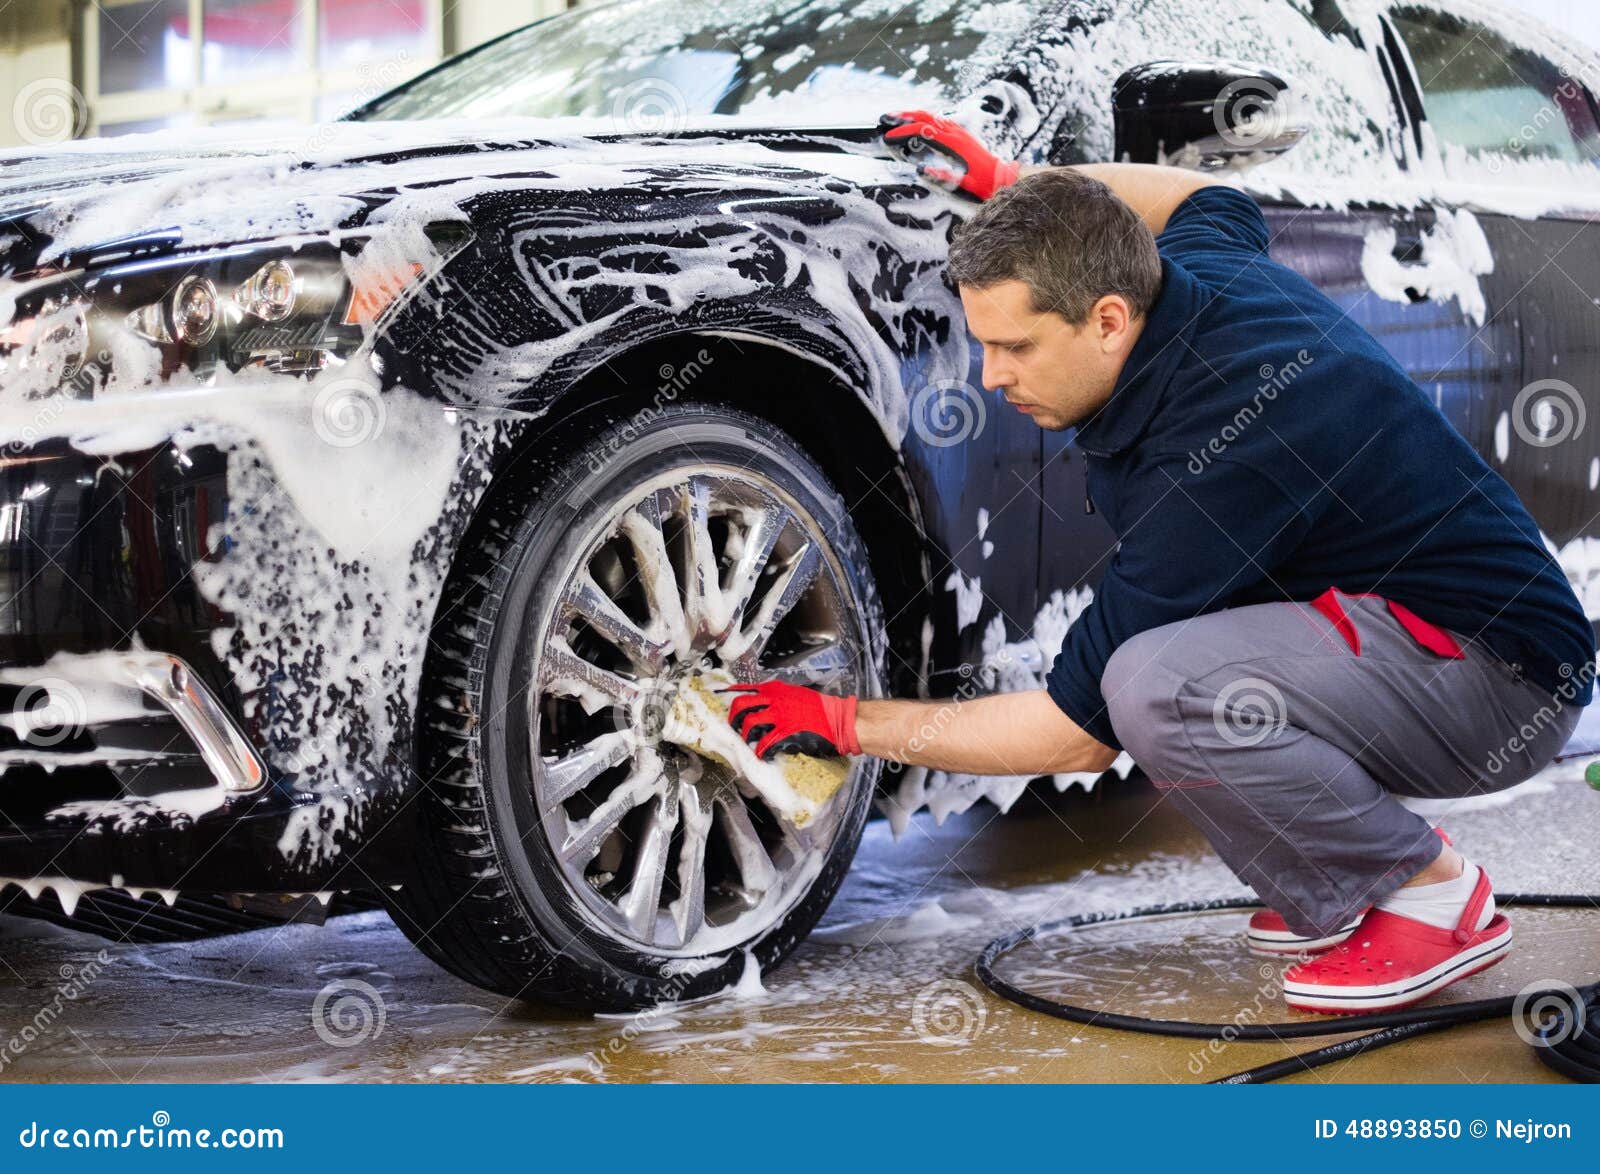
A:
{"x":1269,"y":935}
{"x":1392,"y":961}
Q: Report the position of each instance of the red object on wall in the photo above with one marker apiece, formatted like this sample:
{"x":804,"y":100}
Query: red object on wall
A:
{"x":265,"y":21}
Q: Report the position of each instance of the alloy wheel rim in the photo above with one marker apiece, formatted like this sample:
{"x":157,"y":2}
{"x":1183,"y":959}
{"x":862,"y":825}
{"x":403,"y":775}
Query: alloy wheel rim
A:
{"x":716,"y":571}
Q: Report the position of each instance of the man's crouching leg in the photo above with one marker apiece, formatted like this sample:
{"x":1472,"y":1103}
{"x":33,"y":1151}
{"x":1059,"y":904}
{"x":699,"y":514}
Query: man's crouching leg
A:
{"x":1226,"y":714}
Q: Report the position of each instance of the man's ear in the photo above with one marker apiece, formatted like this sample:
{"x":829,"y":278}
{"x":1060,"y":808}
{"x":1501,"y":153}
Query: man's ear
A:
{"x":1111,"y":317}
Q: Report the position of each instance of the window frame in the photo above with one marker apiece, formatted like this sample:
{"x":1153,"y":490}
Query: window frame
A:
{"x":221,"y":103}
{"x":1413,"y":97}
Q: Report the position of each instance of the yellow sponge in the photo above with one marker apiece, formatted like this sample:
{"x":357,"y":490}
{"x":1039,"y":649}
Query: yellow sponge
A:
{"x":796,"y":785}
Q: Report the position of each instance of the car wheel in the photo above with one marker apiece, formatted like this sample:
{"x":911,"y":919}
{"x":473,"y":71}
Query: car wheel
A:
{"x":567,"y":851}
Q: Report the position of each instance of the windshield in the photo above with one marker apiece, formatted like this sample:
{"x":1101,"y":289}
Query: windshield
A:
{"x":651,"y":64}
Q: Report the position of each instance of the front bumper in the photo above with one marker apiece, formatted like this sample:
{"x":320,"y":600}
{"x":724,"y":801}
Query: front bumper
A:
{"x":127,"y":756}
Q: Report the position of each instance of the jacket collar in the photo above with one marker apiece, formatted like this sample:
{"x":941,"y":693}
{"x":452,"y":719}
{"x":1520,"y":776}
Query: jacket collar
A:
{"x":1162,"y":345}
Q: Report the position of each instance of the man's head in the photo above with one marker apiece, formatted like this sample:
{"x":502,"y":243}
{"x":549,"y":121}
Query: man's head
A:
{"x":1056,"y":274}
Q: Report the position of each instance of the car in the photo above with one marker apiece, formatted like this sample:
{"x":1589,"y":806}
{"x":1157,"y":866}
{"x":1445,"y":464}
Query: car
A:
{"x":375,"y":494}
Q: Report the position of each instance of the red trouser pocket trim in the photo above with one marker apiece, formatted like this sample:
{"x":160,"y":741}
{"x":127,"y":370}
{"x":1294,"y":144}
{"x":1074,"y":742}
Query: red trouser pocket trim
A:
{"x":1328,"y":604}
{"x":1432,"y":637}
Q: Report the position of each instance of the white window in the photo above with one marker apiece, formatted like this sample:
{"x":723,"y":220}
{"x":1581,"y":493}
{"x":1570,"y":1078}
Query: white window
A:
{"x":150,"y":64}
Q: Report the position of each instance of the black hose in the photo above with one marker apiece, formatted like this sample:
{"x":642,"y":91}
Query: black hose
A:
{"x":1568,"y":1034}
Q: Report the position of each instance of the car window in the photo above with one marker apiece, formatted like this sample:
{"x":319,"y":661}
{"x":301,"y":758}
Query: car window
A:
{"x":1486,"y":95}
{"x":650,"y":63}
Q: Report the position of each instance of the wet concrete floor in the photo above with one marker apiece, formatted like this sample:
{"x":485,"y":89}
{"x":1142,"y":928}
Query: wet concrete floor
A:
{"x":884,"y":991}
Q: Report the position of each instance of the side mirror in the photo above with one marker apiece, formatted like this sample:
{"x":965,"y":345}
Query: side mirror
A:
{"x":1203,"y":112}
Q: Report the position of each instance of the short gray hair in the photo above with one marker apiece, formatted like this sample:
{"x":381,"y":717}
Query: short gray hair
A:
{"x":1067,"y":237}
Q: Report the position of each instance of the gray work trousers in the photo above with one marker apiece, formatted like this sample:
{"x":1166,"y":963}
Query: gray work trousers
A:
{"x":1286,"y":746}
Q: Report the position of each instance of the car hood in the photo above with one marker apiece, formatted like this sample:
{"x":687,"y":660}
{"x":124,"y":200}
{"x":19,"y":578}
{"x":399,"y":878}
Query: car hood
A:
{"x":73,"y":204}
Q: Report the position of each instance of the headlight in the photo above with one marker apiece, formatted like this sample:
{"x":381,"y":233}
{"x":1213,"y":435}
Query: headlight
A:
{"x":294,"y":312}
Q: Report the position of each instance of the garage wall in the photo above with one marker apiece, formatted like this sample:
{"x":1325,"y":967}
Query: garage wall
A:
{"x":46,"y":97}
{"x":36,"y":73}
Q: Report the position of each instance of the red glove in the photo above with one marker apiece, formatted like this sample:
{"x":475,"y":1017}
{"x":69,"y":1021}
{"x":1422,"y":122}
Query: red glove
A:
{"x":793,"y":718}
{"x":977,"y":171}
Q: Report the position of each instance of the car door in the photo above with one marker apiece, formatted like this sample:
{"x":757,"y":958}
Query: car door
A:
{"x":1522,"y":130}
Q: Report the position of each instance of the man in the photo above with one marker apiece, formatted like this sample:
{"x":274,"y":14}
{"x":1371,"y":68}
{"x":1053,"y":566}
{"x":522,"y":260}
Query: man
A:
{"x":1321,"y":598}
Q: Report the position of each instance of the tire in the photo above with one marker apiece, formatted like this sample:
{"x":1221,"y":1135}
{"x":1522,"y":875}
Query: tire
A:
{"x":501,"y":891}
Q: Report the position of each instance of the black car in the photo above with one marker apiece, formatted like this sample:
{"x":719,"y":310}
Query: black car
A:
{"x":374,"y":495}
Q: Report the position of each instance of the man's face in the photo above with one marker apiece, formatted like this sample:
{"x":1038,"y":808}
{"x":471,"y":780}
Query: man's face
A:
{"x":1058,"y":373}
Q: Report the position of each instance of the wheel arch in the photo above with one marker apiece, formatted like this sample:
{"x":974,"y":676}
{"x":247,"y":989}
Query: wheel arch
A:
{"x":796,"y":392}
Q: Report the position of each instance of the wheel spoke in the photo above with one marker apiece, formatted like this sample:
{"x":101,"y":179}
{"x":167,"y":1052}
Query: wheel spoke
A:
{"x":566,"y":674}
{"x":703,"y":604}
{"x":584,"y":837}
{"x":749,"y":853}
{"x":761,"y":536}
{"x":643,"y":900}
{"x":743,"y":649}
{"x":819,"y":666}
{"x":597,"y":609}
{"x":565,"y":777}
{"x":689,"y":910}
{"x":642,"y":528}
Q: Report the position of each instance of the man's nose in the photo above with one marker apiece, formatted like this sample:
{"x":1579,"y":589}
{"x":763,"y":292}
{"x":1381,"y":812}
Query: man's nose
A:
{"x":995,"y":377}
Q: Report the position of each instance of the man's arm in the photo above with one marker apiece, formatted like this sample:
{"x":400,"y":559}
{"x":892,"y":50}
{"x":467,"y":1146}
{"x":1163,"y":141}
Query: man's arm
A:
{"x":1022,"y":733}
{"x":1153,"y":191}
{"x":1002,"y":734}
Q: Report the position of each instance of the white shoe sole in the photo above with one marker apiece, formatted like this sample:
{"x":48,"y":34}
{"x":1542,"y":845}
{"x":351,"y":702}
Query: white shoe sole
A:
{"x":1276,"y":942}
{"x":1402,"y":992}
